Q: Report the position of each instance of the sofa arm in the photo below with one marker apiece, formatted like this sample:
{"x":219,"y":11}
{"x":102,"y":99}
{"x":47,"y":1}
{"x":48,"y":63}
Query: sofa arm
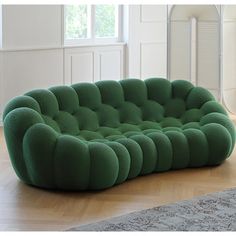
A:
{"x":222,"y":119}
{"x":16,"y":123}
{"x":21,"y":101}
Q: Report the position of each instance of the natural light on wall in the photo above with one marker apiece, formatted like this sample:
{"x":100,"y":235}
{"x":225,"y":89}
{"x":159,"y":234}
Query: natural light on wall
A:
{"x":0,"y":26}
{"x":91,"y":23}
{"x":193,"y":50}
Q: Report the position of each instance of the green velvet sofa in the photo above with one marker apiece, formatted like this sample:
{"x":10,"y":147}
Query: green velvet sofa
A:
{"x":94,"y":136}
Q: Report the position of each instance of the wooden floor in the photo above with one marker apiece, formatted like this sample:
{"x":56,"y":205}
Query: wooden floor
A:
{"x":26,"y":208}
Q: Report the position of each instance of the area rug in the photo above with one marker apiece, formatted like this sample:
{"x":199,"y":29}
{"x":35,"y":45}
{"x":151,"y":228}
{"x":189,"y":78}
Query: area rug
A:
{"x":213,"y":212}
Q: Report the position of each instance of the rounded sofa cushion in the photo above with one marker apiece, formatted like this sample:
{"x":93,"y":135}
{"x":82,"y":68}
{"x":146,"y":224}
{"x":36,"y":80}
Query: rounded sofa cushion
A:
{"x":111,"y":93}
{"x":159,"y":90}
{"x":94,"y":136}
{"x":47,"y":101}
{"x":67,"y":98}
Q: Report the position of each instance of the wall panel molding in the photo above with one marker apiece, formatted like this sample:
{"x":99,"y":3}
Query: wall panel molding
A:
{"x":153,"y":59}
{"x":107,"y":63}
{"x":82,"y":67}
{"x":149,"y":29}
{"x":110,"y":65}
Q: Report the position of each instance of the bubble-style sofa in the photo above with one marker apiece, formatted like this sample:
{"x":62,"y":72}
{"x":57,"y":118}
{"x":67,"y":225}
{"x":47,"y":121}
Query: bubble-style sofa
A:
{"x":93,"y":136}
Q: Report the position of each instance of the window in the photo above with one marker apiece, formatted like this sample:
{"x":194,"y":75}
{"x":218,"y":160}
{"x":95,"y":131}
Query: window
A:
{"x":91,"y":23}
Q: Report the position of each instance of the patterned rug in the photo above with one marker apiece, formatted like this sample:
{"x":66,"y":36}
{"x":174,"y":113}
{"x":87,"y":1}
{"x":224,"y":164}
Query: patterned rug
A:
{"x":213,"y":212}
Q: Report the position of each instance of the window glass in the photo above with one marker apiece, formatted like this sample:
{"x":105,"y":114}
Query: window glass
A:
{"x":105,"y":21}
{"x":76,"y":22}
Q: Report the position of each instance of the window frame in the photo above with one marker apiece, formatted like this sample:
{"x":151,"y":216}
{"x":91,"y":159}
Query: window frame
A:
{"x":92,"y":40}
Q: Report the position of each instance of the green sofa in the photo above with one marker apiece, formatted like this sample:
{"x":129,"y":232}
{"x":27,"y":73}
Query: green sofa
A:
{"x":94,"y":136}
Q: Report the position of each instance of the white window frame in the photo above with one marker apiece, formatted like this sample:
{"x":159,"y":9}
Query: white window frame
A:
{"x":91,"y":30}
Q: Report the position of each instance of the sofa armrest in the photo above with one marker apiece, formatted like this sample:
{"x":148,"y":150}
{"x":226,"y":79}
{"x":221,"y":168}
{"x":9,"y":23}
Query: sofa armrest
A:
{"x":16,"y":123}
{"x":223,"y":120}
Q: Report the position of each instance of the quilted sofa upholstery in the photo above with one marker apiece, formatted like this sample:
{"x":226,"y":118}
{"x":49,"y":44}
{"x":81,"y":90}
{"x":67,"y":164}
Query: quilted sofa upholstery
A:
{"x":94,"y":136}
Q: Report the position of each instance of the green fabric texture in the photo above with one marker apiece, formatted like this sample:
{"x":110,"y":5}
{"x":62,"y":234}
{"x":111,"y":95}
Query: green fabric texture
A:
{"x":93,"y":136}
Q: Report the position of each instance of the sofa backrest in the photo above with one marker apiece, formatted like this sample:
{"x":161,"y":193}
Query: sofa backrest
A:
{"x":86,"y":106}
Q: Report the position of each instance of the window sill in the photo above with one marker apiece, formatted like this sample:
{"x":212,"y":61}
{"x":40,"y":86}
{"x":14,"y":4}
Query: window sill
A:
{"x":94,"y":44}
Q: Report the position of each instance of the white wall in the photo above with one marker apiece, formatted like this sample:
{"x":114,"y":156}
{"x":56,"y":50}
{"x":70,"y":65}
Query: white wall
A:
{"x":30,"y":26}
{"x":1,"y":87}
{"x":147,"y":41}
{"x":0,"y":26}
{"x":179,"y":67}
